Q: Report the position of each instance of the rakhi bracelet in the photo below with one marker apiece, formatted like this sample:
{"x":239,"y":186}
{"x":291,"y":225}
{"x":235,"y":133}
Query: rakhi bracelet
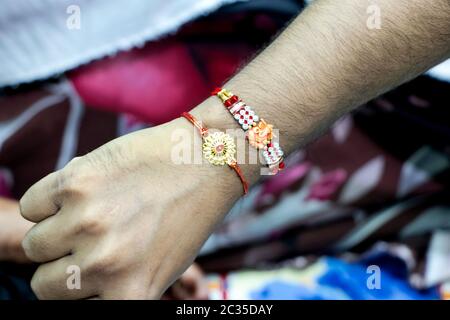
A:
{"x":259,"y":132}
{"x":218,"y":148}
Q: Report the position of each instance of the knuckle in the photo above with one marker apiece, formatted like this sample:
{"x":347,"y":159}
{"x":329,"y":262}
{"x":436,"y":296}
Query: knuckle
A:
{"x":26,"y":246}
{"x":37,"y":285}
{"x":40,"y":199}
{"x":105,"y":263}
{"x":71,"y":185}
{"x":91,"y":225}
{"x":79,"y":186}
{"x":22,"y":207}
{"x":27,"y":204}
{"x":75,"y":179}
{"x":136,"y":292}
{"x":75,"y":161}
{"x":34,"y":246}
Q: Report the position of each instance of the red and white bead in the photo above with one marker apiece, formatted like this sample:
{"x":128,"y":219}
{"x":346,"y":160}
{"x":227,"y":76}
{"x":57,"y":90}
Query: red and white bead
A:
{"x":246,"y":117}
{"x":273,"y":154}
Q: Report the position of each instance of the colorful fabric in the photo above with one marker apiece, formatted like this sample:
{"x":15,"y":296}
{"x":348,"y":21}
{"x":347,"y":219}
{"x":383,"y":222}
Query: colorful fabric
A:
{"x":325,"y":279}
{"x":380,"y":174}
{"x":43,"y":126}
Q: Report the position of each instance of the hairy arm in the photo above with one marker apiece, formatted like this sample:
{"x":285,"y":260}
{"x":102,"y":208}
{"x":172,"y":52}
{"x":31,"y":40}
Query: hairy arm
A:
{"x":328,"y":62}
{"x":132,"y":220}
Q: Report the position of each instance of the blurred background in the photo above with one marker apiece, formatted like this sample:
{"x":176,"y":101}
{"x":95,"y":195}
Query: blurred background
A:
{"x":362,"y":213}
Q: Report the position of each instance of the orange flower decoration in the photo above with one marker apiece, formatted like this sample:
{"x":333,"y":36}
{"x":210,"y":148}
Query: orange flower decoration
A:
{"x":260,"y":135}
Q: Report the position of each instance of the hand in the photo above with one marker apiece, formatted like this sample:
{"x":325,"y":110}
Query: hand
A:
{"x":129,"y":217}
{"x":12,"y":231}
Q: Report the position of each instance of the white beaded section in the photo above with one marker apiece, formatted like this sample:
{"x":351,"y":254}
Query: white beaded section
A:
{"x":246,"y":117}
{"x":273,"y":155}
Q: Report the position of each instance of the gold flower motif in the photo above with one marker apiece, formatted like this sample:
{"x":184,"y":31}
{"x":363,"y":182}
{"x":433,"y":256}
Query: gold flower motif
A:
{"x":219,"y":148}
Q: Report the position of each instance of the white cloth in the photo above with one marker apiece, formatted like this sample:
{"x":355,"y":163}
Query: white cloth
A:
{"x":442,"y":71}
{"x":36,"y":42}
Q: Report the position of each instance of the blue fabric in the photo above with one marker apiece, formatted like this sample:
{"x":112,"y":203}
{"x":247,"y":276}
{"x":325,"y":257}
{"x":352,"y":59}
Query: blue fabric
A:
{"x":343,"y":280}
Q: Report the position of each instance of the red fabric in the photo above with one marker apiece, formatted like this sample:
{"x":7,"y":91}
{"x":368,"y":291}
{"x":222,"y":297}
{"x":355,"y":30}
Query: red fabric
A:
{"x":159,"y":82}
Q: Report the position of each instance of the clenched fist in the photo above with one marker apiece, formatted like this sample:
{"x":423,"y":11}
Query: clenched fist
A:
{"x":126,"y":215}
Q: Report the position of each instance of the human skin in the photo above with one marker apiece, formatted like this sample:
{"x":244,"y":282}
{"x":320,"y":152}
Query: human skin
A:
{"x":133,"y":220}
{"x":13,"y":228}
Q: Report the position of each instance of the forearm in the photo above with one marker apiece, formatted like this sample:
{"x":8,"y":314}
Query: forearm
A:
{"x":328,"y":62}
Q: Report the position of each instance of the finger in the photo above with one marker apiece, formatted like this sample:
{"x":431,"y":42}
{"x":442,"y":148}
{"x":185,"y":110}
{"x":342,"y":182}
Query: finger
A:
{"x":39,"y":202}
{"x":50,"y":239}
{"x":62,"y":279}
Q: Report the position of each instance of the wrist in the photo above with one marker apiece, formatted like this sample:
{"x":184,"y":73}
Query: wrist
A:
{"x":176,"y":147}
{"x":213,"y":115}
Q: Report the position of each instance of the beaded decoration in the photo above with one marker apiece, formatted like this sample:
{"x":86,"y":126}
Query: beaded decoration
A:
{"x":259,"y":132}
